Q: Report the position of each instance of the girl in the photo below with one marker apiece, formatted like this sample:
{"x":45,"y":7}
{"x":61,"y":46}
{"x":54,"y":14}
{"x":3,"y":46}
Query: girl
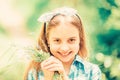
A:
{"x":62,"y":35}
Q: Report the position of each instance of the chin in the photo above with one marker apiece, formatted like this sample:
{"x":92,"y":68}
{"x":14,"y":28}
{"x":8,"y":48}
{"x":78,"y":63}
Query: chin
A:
{"x":66,"y":60}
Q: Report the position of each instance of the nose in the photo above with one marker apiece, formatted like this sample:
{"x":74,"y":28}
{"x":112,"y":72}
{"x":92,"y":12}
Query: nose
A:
{"x":64,"y":47}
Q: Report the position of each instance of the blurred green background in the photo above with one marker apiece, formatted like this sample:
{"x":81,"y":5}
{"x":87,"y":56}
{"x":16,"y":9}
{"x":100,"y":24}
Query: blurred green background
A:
{"x":19,"y":28}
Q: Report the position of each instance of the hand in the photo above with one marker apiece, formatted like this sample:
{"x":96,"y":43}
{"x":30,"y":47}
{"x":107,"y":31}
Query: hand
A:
{"x":51,"y":65}
{"x":48,"y":75}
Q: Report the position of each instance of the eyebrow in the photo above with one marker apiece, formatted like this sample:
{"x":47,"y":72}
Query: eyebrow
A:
{"x":59,"y":38}
{"x":73,"y":37}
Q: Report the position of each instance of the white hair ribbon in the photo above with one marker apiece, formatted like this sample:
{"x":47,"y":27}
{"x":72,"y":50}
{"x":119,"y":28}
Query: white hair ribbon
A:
{"x":64,"y":11}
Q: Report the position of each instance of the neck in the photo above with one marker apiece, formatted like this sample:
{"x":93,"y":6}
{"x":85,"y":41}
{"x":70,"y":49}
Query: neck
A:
{"x":67,"y":66}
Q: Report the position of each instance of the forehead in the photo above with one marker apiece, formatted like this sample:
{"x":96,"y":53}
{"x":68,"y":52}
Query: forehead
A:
{"x":64,"y":30}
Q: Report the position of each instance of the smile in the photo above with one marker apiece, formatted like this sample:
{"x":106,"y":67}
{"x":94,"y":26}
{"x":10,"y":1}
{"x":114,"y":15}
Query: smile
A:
{"x":66,"y":54}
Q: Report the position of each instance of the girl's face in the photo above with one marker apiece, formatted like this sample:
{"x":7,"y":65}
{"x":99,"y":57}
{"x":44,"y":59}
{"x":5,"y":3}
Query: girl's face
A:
{"x":64,"y":41}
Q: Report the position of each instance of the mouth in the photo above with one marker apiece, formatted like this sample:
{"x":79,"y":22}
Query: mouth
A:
{"x":65,"y":54}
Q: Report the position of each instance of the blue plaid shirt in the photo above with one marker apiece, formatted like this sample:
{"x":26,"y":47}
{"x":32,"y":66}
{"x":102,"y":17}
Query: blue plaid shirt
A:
{"x":80,"y":70}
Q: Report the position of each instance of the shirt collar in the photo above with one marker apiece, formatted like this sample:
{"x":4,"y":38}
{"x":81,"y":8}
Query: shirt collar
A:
{"x":83,"y":62}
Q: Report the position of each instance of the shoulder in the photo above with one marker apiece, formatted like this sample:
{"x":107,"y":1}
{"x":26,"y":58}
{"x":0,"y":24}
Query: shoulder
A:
{"x":91,"y":67}
{"x":93,"y":70}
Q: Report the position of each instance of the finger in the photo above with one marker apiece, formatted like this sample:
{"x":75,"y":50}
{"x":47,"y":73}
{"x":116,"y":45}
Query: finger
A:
{"x":51,"y":66}
{"x":56,"y":68}
{"x":47,"y":62}
{"x":50,"y":61}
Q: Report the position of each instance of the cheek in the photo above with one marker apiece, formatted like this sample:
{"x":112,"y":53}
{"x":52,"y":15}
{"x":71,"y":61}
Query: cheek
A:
{"x":76,"y":48}
{"x":53,"y":48}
